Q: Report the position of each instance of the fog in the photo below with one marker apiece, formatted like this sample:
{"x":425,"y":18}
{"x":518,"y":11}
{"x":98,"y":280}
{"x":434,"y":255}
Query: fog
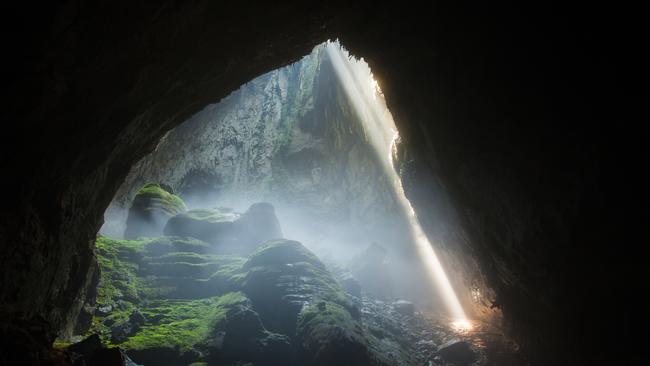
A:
{"x":342,"y":200}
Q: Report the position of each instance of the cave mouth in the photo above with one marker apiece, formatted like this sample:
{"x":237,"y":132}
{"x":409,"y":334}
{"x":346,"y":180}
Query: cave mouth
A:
{"x":272,"y":227}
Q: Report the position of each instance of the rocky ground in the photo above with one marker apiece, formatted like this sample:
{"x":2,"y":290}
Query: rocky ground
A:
{"x":433,"y":341}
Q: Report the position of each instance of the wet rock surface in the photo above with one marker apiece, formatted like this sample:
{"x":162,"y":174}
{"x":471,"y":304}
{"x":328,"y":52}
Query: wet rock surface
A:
{"x":432,"y":341}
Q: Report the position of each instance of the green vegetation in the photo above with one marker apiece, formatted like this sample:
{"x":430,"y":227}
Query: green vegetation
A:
{"x":170,"y":297}
{"x":282,"y":251}
{"x":136,"y":274}
{"x":153,"y":192}
{"x":182,"y":325}
{"x":209,"y":215}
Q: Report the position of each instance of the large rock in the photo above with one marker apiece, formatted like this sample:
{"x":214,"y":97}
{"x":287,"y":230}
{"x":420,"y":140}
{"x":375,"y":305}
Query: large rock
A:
{"x":372,"y":271}
{"x":457,"y":352}
{"x":295,"y":294}
{"x":257,"y":225}
{"x":229,"y":232}
{"x":282,"y":278}
{"x":246,"y":339}
{"x":330,"y":336}
{"x":210,"y":225}
{"x":150,"y":210}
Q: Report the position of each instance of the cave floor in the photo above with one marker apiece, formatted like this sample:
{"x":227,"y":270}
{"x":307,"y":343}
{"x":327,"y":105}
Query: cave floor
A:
{"x":428,"y":333}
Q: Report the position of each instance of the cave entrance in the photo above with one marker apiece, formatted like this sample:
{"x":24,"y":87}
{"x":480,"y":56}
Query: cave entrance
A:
{"x":265,"y":226}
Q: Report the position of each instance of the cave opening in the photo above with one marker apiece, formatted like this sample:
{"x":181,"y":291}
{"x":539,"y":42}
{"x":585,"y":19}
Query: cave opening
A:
{"x":505,"y":117}
{"x":273,"y":227}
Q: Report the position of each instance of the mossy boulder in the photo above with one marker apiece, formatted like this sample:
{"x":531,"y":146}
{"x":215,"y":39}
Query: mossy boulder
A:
{"x":179,"y":332}
{"x":210,"y":225}
{"x":328,"y":335}
{"x":244,"y":338}
{"x":228,"y":232}
{"x":283,"y":277}
{"x":282,"y":251}
{"x":256,"y":226}
{"x":152,"y":206}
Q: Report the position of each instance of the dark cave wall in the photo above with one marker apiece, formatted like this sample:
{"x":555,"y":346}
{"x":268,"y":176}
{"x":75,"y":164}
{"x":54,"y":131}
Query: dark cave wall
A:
{"x":497,"y":103}
{"x":108,"y":81}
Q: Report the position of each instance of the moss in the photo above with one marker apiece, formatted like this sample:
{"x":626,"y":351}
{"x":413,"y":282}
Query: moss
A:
{"x":169,"y":244}
{"x":181,"y":325}
{"x":327,"y":329}
{"x":118,"y":263}
{"x":154,"y":193}
{"x":61,"y":344}
{"x":282,"y":251}
{"x":321,"y":314}
{"x":210,"y":215}
{"x":191,"y":257}
{"x":230,"y":275}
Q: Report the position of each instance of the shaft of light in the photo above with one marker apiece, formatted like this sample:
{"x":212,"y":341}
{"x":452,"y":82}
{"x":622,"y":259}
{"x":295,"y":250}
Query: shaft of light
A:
{"x":362,"y":90}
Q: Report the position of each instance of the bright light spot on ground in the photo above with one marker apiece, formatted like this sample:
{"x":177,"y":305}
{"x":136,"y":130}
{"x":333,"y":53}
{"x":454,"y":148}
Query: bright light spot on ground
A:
{"x":362,"y":90}
{"x":461,"y":325}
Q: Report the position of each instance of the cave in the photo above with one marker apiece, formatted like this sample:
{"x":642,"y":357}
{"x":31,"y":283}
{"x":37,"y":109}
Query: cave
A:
{"x":499,"y":158}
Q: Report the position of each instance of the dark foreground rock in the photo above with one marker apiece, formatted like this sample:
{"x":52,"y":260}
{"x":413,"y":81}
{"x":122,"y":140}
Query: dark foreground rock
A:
{"x":91,"y":351}
{"x":457,"y":352}
{"x":245,"y":338}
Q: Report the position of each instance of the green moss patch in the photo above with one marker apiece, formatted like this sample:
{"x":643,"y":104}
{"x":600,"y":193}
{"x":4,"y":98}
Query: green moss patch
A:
{"x":182,"y":325}
{"x":210,"y":215}
{"x":153,"y":193}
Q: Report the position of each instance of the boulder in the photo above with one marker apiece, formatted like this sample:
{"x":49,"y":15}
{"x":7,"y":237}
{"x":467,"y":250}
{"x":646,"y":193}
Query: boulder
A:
{"x":209,"y":225}
{"x":283,"y":251}
{"x":87,"y":347}
{"x":137,"y":318}
{"x":328,"y":335}
{"x":459,"y":353}
{"x":372,"y":271}
{"x":283,"y":277}
{"x":91,"y":351}
{"x":246,"y":339}
{"x":228,"y":231}
{"x":256,"y":226}
{"x":150,"y":210}
{"x":351,"y":286}
{"x":296,"y":295}
{"x":122,"y":331}
{"x":108,"y":357}
{"x":404,"y":307}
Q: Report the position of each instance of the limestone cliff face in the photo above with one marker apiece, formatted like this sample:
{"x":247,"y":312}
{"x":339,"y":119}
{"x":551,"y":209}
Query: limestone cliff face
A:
{"x":289,"y":137}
